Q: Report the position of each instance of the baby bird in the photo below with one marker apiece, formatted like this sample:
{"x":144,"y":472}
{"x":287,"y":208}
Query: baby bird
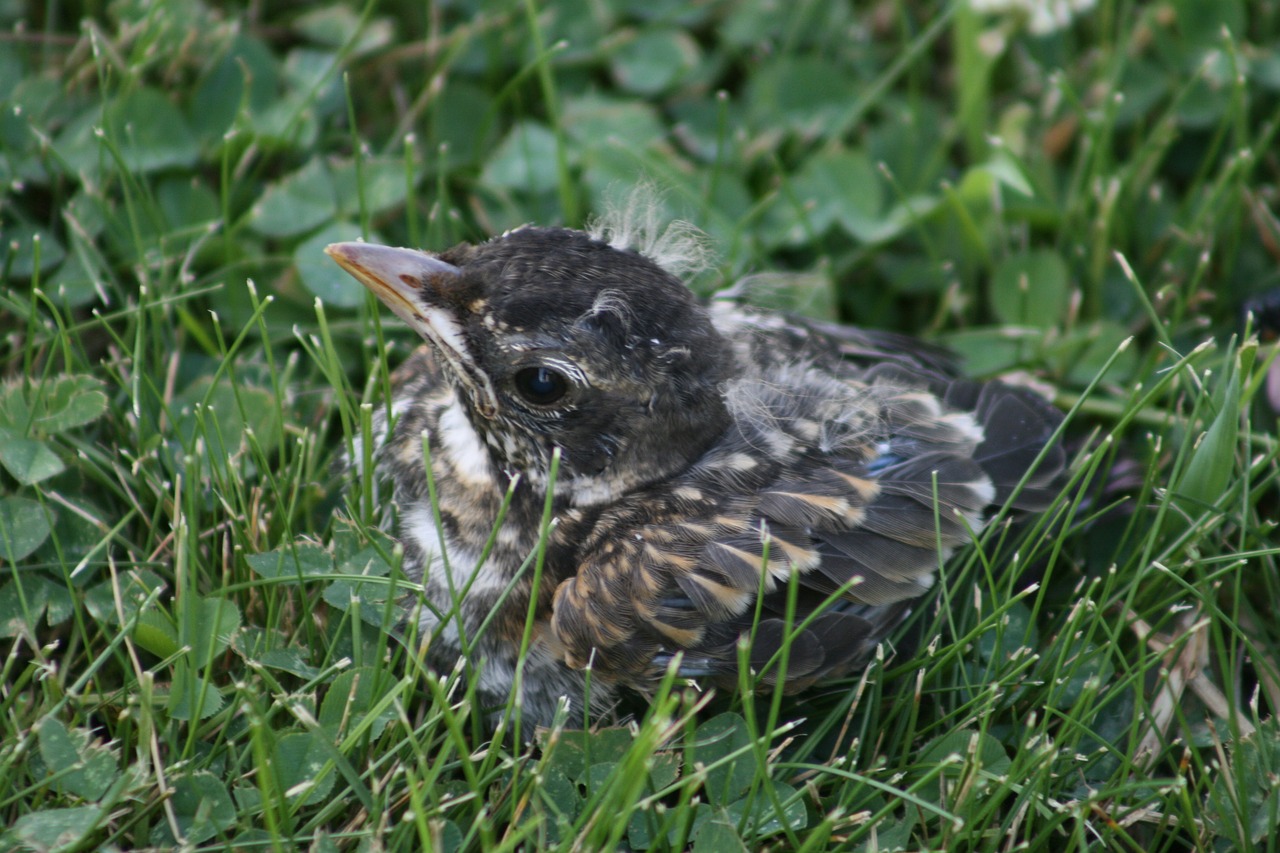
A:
{"x":720,"y":472}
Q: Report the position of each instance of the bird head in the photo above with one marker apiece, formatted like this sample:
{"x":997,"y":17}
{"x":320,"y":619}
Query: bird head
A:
{"x":553,"y":339}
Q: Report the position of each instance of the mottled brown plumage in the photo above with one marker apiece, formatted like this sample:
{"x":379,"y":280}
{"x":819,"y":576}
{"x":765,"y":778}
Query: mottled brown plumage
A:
{"x":709,"y":454}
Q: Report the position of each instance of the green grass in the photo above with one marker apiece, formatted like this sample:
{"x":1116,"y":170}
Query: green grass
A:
{"x":196,"y":611}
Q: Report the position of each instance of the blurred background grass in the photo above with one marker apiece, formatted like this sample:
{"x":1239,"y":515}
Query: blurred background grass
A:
{"x":197,"y":618}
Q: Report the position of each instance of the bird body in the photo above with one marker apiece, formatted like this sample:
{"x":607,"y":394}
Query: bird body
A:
{"x":723,"y":472}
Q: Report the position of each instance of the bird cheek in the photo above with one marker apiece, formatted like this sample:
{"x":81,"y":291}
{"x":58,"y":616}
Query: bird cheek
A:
{"x":591,"y":456}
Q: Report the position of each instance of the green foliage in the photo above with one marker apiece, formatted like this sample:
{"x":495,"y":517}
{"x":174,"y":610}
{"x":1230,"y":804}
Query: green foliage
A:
{"x":202,"y":623}
{"x":30,"y":416}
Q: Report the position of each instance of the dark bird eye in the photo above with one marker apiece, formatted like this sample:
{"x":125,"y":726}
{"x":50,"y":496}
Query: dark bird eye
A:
{"x":541,"y":385}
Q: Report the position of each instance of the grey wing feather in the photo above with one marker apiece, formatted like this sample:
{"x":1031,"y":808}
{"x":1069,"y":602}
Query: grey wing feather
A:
{"x":860,"y":527}
{"x":926,"y":505}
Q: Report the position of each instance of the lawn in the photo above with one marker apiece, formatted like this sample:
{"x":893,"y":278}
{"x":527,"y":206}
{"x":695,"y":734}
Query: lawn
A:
{"x":201,"y":612}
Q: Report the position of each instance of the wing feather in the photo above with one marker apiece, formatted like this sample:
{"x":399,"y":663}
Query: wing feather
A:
{"x":858,"y":524}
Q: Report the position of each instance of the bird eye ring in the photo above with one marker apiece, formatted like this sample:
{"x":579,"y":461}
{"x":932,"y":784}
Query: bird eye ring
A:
{"x":541,"y":386}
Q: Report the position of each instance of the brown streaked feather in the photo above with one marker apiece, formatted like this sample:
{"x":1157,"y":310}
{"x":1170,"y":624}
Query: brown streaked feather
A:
{"x":788,"y":503}
{"x":794,"y":545}
{"x":680,"y":638}
{"x":866,"y":489}
{"x":739,"y":565}
{"x":717,"y":600}
{"x":819,"y":497}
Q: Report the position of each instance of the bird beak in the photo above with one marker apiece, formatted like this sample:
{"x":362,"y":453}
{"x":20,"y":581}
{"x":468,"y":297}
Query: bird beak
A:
{"x":395,"y":276}
{"x":415,"y":285}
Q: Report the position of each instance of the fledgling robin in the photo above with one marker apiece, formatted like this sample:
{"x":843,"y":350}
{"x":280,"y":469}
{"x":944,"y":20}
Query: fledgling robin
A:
{"x":710,"y":455}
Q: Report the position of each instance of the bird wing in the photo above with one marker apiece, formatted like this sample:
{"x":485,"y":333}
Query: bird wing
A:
{"x":819,"y":517}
